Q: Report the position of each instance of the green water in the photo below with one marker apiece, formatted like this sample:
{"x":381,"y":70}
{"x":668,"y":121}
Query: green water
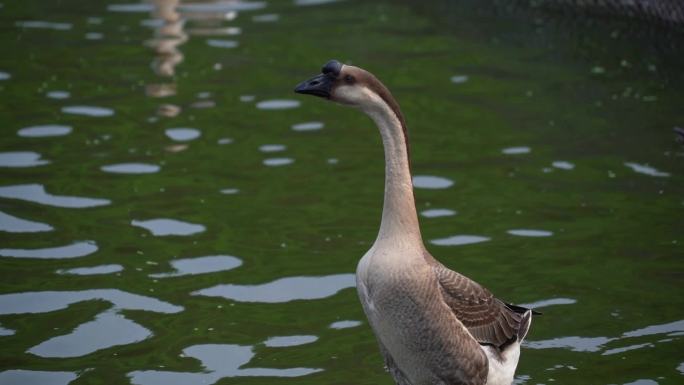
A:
{"x":527,"y":123}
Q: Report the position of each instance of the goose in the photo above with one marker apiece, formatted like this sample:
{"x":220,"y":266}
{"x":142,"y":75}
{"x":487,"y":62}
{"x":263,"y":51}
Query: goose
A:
{"x":433,"y":325}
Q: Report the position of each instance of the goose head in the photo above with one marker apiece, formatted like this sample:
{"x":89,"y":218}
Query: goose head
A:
{"x":348,"y":85}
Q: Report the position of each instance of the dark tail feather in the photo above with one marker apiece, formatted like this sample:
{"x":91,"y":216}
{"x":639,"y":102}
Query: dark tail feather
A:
{"x":521,"y":310}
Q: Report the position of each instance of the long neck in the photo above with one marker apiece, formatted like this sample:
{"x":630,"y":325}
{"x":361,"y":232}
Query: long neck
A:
{"x":399,"y":218}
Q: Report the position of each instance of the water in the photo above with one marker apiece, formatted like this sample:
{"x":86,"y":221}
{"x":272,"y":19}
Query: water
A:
{"x":171,"y":213}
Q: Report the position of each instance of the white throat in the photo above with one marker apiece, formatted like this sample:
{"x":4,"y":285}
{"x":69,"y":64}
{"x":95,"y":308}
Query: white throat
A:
{"x":399,"y":218}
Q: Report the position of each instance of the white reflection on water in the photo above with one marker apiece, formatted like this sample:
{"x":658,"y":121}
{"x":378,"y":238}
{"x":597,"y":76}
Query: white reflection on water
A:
{"x":4,"y":75}
{"x":136,"y":7}
{"x":627,"y":348}
{"x":530,"y":233}
{"x":266,"y":18}
{"x":646,"y":169}
{"x":106,"y":330}
{"x":345,"y":324}
{"x":44,"y":131}
{"x":313,"y":2}
{"x":162,"y":227}
{"x":92,"y":270}
{"x":435,"y":213}
{"x":74,"y":250}
{"x":563,"y":165}
{"x":308,"y":126}
{"x":47,"y":301}
{"x":230,"y":191}
{"x":283,"y":290}
{"x":94,"y":36}
{"x":272,"y":147}
{"x":283,"y":341}
{"x":596,"y":344}
{"x":278,"y":104}
{"x":36,"y":193}
{"x":12,"y":224}
{"x":274,"y":162}
{"x":200,"y":265}
{"x":38,"y":24}
{"x":6,"y":332}
{"x":29,"y":377}
{"x":459,"y":79}
{"x":576,"y":344}
{"x":131,"y":168}
{"x":672,"y":327}
{"x":516,"y":150}
{"x":21,"y":159}
{"x":642,"y":382}
{"x":222,"y":43}
{"x":222,"y":6}
{"x":183,"y":134}
{"x":58,"y":94}
{"x":218,"y":361}
{"x":458,"y":240}
{"x":431,"y":182}
{"x":88,"y":111}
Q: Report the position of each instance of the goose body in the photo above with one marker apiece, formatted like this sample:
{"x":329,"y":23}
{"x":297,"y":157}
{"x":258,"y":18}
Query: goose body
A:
{"x":433,"y":325}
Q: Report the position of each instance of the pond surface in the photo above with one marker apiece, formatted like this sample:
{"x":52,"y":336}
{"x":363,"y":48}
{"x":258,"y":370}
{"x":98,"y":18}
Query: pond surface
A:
{"x":171,"y":213}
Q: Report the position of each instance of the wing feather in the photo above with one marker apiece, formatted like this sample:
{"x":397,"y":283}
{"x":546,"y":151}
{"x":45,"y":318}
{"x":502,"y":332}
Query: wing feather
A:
{"x":488,"y":319}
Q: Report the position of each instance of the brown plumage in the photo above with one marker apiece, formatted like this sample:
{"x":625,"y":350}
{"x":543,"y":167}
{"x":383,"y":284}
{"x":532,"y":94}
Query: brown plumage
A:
{"x":433,"y":325}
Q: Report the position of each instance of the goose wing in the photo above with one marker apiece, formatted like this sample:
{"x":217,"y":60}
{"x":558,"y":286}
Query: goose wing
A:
{"x":489,"y":320}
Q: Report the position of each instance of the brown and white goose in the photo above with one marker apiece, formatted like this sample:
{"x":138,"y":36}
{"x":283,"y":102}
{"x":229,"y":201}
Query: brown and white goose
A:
{"x":434,"y":325}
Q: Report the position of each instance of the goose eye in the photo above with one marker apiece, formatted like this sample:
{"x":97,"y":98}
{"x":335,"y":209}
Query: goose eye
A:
{"x":349,"y":79}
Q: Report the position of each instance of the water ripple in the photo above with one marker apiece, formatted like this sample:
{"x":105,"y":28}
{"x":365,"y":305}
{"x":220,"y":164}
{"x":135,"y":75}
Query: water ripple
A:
{"x":646,"y":170}
{"x":182,"y":134}
{"x":435,"y":213}
{"x":44,"y":131}
{"x":92,"y":270}
{"x":12,"y":224}
{"x":218,"y":361}
{"x":516,"y":150}
{"x":201,"y":265}
{"x":47,"y":301}
{"x":36,"y":193}
{"x":20,"y":376}
{"x":278,"y":104}
{"x":106,"y":330}
{"x":38,"y":24}
{"x":21,"y":159}
{"x":131,"y":168}
{"x":458,"y":240}
{"x":345,"y":324}
{"x":74,"y":250}
{"x":162,"y":227}
{"x":530,"y":233}
{"x":431,"y":182}
{"x":307,"y":126}
{"x":222,"y":43}
{"x":274,"y":162}
{"x":88,"y":111}
{"x":283,"y":341}
{"x":58,"y":94}
{"x":284,"y":289}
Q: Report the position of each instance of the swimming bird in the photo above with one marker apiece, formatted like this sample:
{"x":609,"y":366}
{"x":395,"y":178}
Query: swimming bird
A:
{"x":433,"y":325}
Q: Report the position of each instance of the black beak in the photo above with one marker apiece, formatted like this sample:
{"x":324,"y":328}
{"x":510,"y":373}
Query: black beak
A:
{"x":320,"y":85}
